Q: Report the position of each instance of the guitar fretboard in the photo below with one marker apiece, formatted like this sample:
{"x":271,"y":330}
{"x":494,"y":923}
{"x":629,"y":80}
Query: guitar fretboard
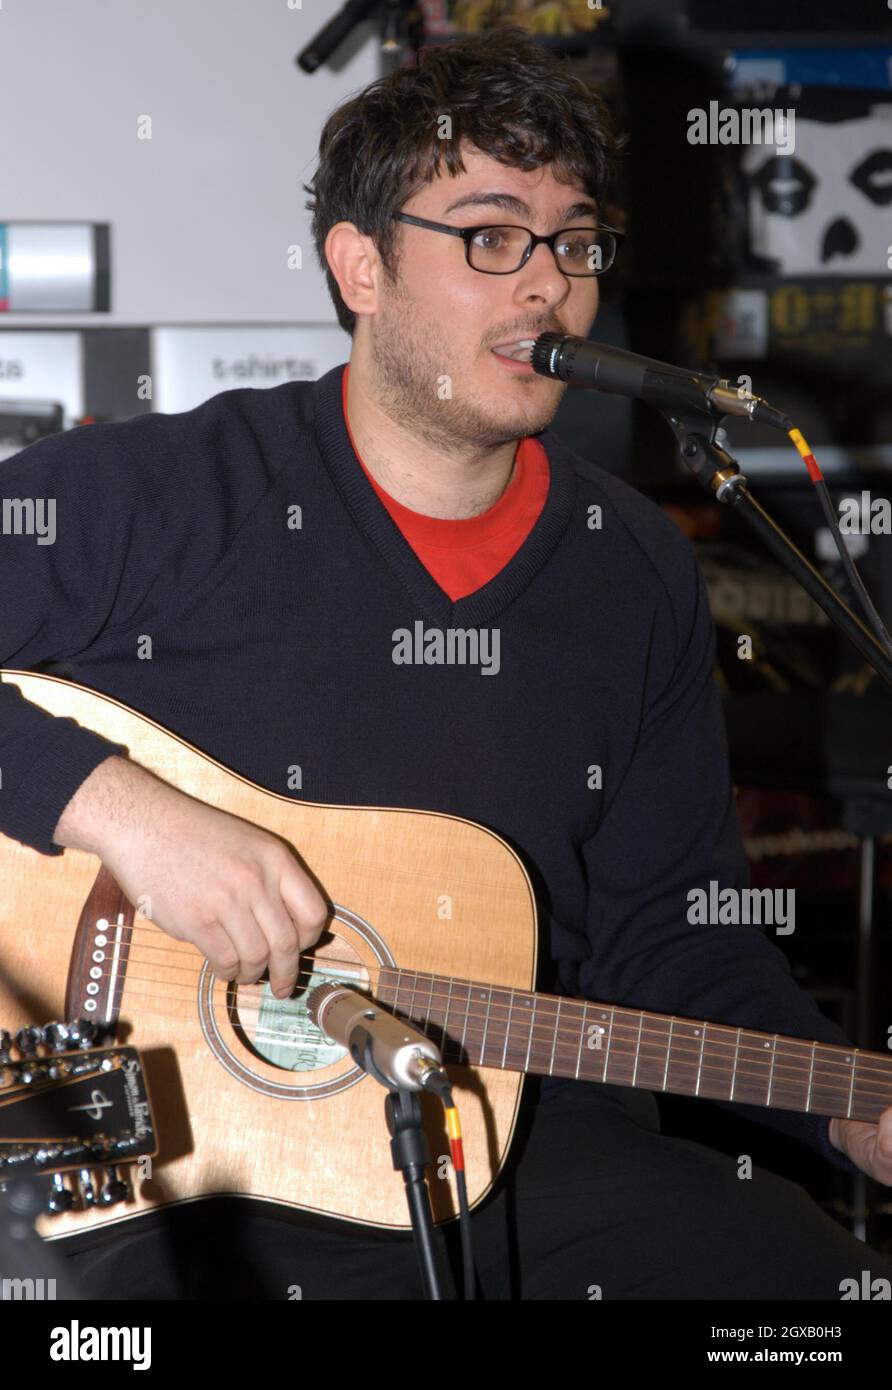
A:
{"x":486,"y":1025}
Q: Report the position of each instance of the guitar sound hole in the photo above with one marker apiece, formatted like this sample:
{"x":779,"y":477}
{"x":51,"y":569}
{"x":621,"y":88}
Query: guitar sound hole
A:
{"x":280,"y":1031}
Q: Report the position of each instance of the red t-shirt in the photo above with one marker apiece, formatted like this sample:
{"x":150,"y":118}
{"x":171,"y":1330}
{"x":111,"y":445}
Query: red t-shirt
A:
{"x":464,"y":555}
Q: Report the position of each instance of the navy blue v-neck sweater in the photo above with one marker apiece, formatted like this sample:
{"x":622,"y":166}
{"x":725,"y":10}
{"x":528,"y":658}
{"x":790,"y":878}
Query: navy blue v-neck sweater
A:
{"x":594,"y":743}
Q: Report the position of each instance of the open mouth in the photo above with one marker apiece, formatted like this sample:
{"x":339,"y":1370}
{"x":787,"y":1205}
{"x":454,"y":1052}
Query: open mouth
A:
{"x":517,"y":351}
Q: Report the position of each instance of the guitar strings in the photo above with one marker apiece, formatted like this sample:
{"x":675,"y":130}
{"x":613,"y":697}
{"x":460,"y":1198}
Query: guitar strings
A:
{"x":559,"y":1040}
{"x":748,"y":1087}
{"x":270,"y":1035}
{"x":245,"y":1012}
{"x":375,"y":969}
{"x":863,"y":1091}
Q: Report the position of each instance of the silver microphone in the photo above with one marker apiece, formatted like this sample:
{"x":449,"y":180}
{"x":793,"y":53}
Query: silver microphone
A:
{"x":390,"y":1050}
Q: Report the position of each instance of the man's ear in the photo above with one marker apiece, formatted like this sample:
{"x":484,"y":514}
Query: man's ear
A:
{"x":354,"y":262}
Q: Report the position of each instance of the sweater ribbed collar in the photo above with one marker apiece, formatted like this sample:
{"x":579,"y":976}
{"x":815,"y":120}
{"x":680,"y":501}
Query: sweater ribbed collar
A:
{"x":376,"y":524}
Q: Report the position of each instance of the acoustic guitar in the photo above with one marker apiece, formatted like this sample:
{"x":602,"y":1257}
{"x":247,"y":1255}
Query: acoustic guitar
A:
{"x":433,"y":916}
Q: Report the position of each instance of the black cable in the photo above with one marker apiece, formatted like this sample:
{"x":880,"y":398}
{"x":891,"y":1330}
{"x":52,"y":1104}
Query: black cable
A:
{"x":811,"y":580}
{"x":783,"y":422}
{"x":469,"y":1272}
{"x":850,"y":568}
{"x":439,"y":1084}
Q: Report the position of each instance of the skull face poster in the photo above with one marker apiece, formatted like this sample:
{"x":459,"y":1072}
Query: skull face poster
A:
{"x":823,"y":207}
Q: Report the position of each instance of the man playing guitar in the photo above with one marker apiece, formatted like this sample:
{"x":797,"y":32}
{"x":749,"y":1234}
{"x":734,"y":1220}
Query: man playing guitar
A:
{"x":456,"y":206}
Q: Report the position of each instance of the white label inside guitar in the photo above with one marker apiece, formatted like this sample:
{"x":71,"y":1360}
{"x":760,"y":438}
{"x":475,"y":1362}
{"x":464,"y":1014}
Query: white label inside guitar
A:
{"x":285,"y":1034}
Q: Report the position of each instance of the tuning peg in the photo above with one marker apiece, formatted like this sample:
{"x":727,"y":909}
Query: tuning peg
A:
{"x":51,"y":1154}
{"x":28,"y":1039}
{"x":60,"y":1198}
{"x":56,"y":1037}
{"x":114,"y":1189}
{"x":126,"y":1143}
{"x":88,"y":1191}
{"x":82,"y":1032}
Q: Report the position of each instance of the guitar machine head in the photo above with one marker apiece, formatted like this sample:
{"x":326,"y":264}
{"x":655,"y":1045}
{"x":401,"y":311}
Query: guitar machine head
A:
{"x":70,"y":1107}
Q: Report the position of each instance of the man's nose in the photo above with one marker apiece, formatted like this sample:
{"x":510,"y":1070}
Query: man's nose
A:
{"x":541,"y":274}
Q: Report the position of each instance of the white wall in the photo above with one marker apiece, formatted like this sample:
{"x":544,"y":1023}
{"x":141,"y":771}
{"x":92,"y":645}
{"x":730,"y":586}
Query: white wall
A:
{"x":203,"y":213}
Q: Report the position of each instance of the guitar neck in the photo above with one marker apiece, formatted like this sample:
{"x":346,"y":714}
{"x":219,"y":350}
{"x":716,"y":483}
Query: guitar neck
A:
{"x":485,"y":1025}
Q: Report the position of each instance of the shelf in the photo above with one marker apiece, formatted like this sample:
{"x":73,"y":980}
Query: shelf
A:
{"x":708,"y":39}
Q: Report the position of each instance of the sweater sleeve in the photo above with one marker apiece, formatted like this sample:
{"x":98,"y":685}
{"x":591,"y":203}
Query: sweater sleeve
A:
{"x":44,"y":760}
{"x":60,"y":575}
{"x":670,"y":826}
{"x":112,"y":543}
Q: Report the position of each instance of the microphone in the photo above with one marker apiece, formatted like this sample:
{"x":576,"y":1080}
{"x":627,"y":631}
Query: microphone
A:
{"x":336,"y":30}
{"x":600,"y":367}
{"x":393,"y":1052}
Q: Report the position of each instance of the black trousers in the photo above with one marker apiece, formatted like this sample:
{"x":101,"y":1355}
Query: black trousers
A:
{"x":594,"y":1203}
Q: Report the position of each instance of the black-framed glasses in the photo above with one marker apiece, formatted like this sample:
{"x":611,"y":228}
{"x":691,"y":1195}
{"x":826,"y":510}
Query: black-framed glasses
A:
{"x":496,"y":249}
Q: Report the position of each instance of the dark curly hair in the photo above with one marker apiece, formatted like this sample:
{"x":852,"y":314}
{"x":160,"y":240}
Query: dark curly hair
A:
{"x":505,"y":93}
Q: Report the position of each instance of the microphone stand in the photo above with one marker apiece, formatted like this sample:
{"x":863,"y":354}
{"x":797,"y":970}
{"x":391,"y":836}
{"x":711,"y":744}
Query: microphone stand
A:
{"x":715,"y":469}
{"x":411,"y":1156}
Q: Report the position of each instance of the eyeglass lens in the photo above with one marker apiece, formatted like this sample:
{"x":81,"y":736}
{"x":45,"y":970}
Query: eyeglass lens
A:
{"x":580,"y":251}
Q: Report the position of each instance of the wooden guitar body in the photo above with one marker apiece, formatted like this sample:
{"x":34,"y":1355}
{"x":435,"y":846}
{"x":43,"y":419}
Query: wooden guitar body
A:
{"x":248,"y":1097}
{"x":434,"y":917}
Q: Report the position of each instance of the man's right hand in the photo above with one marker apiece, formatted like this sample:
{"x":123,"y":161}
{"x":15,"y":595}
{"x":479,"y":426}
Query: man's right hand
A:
{"x":234,"y":890}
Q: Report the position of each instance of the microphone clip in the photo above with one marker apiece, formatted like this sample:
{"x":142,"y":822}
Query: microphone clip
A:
{"x":695,"y":429}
